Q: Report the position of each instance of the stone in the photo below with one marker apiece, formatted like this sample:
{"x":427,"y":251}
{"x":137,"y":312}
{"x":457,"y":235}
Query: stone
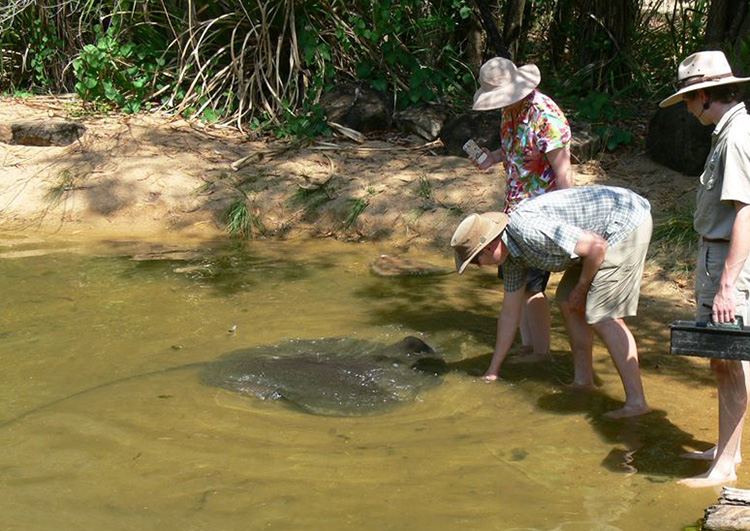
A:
{"x":585,"y":144}
{"x":677,"y":140}
{"x":482,"y":126}
{"x":54,"y":133}
{"x":359,"y":107}
{"x":425,"y":121}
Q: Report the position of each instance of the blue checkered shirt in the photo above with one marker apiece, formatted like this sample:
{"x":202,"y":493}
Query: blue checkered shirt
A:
{"x":543,"y":231}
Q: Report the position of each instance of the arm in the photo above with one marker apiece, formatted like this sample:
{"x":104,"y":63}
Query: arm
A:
{"x":591,"y":248}
{"x":507,"y":325}
{"x":493,"y":157}
{"x":739,"y":247}
{"x":559,"y":159}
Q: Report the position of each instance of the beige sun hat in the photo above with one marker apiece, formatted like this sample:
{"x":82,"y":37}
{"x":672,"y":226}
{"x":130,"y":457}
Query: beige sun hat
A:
{"x":502,"y":83}
{"x":474,"y":234}
{"x":701,"y":70}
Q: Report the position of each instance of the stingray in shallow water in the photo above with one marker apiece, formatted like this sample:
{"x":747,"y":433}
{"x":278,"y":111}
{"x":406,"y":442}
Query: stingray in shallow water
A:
{"x":334,"y":377}
{"x":341,"y":377}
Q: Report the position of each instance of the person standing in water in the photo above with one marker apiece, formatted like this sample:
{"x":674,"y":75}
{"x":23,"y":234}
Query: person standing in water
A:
{"x":535,"y":150}
{"x":599,"y":236}
{"x":722,"y":219}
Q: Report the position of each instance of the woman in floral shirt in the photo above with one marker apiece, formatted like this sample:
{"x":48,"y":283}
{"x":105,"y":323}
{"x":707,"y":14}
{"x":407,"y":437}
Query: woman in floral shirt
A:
{"x":535,"y":150}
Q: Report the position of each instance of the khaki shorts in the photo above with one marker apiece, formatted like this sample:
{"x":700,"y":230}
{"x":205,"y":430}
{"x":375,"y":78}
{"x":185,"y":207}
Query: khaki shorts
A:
{"x":616,"y":287}
{"x":710,"y":264}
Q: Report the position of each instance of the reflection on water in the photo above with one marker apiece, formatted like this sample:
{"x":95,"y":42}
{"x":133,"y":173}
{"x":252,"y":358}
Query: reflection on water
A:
{"x":104,"y":422}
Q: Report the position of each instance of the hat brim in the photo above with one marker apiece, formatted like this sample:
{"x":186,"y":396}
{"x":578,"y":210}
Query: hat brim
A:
{"x":526,"y":80}
{"x":501,"y":220}
{"x":677,"y":96}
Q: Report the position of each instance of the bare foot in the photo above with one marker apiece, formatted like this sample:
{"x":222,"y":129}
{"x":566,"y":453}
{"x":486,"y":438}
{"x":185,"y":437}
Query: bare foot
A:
{"x":709,"y":479}
{"x":708,"y":455}
{"x":627,"y":412}
{"x":530,"y":358}
{"x":580,"y":387}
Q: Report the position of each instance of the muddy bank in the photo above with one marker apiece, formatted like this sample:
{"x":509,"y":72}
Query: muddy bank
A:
{"x":153,"y":176}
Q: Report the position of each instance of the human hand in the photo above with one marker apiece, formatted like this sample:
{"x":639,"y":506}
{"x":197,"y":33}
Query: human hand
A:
{"x":723,"y":310}
{"x":488,"y":161}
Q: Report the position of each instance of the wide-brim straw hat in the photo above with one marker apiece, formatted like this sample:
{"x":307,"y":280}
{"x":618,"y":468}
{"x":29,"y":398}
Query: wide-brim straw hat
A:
{"x":701,"y":70}
{"x":502,"y":83}
{"x":474,"y":234}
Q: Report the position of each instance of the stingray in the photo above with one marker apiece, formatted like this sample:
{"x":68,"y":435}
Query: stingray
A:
{"x":342,"y":377}
{"x":333,"y":377}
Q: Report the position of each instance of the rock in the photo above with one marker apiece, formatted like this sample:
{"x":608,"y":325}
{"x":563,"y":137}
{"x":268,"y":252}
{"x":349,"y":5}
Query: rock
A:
{"x":677,"y":140}
{"x":424,"y":120}
{"x":358,"y":106}
{"x":396,"y":266}
{"x":55,"y":133}
{"x":482,"y":126}
{"x":585,"y":145}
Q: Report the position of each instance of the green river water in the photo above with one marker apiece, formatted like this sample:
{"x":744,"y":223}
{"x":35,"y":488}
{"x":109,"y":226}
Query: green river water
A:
{"x":160,"y":451}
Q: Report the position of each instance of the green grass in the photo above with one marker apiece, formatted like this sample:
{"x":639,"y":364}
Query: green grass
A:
{"x":241,"y":222}
{"x":67,"y":182}
{"x":674,"y":240}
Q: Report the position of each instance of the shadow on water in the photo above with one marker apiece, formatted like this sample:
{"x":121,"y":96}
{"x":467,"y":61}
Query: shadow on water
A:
{"x":650,"y":445}
{"x":227,"y":268}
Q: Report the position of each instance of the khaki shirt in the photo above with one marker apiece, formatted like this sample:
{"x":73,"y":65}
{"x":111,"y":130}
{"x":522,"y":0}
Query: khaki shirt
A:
{"x":726,"y":175}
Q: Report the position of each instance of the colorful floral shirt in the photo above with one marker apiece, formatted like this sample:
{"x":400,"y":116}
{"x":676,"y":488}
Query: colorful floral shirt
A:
{"x":539,"y":128}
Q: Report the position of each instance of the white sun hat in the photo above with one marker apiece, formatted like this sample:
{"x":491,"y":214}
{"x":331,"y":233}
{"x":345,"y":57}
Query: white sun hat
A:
{"x":701,"y":70}
{"x":502,"y":83}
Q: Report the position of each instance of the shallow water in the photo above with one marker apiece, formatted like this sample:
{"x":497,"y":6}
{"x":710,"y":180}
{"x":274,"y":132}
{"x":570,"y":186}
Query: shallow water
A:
{"x":96,"y":434}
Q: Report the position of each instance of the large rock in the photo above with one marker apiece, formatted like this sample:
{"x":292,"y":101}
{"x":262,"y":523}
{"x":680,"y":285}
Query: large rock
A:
{"x":359,"y":107}
{"x":423,"y":120}
{"x":54,"y":133}
{"x":677,"y":140}
{"x":482,"y":126}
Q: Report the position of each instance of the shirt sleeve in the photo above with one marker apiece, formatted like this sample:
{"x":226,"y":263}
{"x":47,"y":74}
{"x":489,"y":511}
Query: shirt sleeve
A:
{"x":553,"y":133}
{"x":514,"y":275}
{"x":736,"y":186}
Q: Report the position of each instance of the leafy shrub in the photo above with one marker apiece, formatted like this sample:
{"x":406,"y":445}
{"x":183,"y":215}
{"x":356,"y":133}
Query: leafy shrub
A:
{"x":120,"y":73}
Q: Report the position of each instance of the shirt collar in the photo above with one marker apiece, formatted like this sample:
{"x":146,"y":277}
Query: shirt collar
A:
{"x":731,"y":113}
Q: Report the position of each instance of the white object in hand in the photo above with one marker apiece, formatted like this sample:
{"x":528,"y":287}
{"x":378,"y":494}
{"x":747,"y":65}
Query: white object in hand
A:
{"x":474,"y":151}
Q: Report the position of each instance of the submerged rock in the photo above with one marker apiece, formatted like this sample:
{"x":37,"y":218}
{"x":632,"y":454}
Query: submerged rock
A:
{"x":340,"y":377}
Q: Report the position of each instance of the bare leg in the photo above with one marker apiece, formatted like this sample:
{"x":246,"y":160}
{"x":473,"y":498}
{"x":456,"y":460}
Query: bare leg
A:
{"x":731,"y":379}
{"x":621,"y":346}
{"x":581,"y":340}
{"x":535,"y":328}
{"x":710,"y":454}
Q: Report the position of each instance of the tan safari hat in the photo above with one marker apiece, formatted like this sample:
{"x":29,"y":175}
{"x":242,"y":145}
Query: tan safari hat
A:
{"x":701,"y":70}
{"x":502,"y":84}
{"x":474,"y":234}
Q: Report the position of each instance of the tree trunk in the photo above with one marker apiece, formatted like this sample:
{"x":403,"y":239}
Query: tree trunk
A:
{"x":512,"y":26}
{"x":728,"y":25}
{"x":493,"y":35}
{"x":604,"y":41}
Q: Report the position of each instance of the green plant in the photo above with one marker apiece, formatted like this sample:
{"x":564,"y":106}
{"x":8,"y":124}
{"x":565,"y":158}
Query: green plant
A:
{"x":67,"y":182}
{"x":424,"y":189}
{"x":241,"y":222}
{"x":602,"y":112}
{"x":116,"y":72}
{"x":674,"y":238}
{"x":358,"y":206}
{"x":312,"y":198}
{"x":306,"y":124}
